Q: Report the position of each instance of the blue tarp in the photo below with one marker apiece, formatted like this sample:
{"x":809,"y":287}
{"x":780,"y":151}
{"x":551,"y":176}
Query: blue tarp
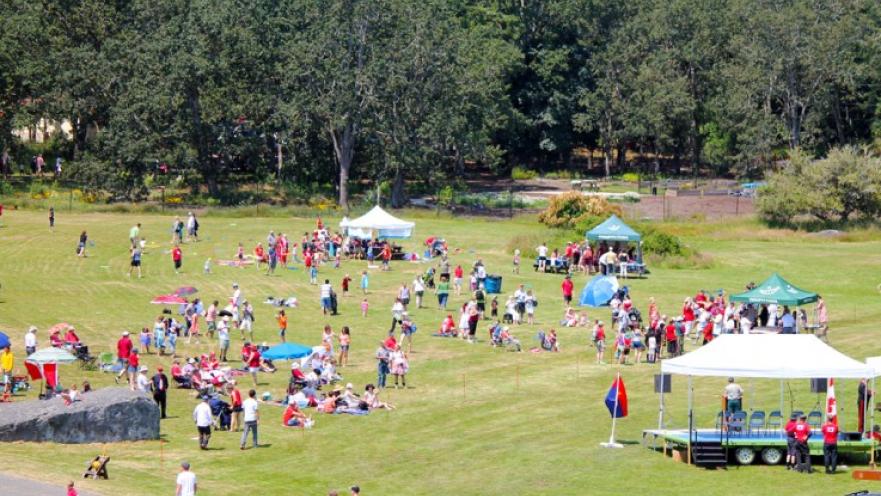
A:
{"x":287,"y":351}
{"x":612,"y":229}
{"x":599,"y":291}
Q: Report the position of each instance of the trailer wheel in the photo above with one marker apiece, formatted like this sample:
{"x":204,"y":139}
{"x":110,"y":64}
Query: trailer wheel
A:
{"x":744,"y":456}
{"x":772,"y":456}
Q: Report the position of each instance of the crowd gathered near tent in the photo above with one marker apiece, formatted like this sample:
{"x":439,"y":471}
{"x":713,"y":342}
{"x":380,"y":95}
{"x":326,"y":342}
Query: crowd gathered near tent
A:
{"x":618,"y":329}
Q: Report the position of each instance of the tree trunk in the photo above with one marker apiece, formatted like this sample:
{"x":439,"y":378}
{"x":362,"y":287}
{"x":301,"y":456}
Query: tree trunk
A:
{"x":398,"y":189}
{"x":607,"y":158}
{"x":622,"y":155}
{"x":344,"y":149}
{"x":836,"y":114}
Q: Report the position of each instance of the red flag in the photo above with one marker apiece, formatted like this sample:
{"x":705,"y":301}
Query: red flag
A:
{"x":33,"y":371}
{"x":831,"y":403}
{"x":618,"y":392}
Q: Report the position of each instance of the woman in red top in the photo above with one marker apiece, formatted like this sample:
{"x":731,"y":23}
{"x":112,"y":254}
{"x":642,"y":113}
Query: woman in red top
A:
{"x":688,"y":315}
{"x":235,"y":399}
{"x":260,"y":255}
{"x":55,"y":339}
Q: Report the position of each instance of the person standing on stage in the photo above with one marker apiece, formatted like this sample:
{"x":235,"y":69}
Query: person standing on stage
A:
{"x":734,"y":394}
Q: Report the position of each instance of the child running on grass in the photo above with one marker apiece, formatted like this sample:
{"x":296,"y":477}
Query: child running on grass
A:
{"x":282,"y":320}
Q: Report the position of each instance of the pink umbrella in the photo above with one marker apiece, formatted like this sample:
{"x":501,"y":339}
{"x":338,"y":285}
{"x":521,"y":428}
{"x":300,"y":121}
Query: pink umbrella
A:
{"x":168,"y":300}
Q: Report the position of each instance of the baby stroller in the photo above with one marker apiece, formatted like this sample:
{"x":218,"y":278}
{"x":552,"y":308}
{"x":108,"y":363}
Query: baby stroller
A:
{"x":87,"y":361}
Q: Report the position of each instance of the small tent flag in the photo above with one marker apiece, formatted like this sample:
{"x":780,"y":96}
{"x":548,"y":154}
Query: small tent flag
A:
{"x":831,"y":403}
{"x":616,"y":399}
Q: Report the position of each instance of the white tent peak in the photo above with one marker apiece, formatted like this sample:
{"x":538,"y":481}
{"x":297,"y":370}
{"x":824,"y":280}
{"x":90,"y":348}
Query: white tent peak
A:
{"x":774,"y":356}
{"x":377,"y":218}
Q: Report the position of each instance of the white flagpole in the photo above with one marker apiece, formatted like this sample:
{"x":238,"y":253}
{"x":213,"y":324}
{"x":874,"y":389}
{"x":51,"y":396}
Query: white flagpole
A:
{"x":612,"y":443}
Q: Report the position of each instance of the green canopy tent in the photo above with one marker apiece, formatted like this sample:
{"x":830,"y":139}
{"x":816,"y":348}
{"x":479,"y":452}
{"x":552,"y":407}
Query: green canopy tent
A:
{"x":614,"y":229}
{"x":777,"y":290}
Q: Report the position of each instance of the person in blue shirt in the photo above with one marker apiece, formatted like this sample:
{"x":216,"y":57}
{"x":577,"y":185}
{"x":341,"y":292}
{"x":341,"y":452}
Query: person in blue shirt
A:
{"x":787,"y":321}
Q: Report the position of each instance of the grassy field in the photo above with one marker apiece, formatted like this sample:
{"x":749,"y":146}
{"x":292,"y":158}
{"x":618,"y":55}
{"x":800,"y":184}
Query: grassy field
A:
{"x":475,"y":420}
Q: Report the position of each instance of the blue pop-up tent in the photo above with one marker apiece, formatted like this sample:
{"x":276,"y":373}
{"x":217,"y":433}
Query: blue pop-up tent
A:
{"x":613,"y":229}
{"x":287,"y":351}
{"x":599,"y":291}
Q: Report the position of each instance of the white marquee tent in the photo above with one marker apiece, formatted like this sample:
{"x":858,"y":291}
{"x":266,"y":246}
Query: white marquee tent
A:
{"x":769,"y":356}
{"x":379,"y":222}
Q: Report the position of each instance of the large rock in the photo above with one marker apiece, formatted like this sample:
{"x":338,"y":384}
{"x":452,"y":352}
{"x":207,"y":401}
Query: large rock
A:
{"x":106,"y":415}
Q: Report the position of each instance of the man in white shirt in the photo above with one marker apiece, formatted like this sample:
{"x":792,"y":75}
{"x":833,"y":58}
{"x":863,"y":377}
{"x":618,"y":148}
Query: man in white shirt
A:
{"x":250,"y":407}
{"x":30,"y":340}
{"x":419,"y":289}
{"x":236,"y":299}
{"x":734,"y":394}
{"x":186,"y":481}
{"x":542,"y":256}
{"x":203,"y":418}
{"x":142,"y":382}
{"x":326,"y":289}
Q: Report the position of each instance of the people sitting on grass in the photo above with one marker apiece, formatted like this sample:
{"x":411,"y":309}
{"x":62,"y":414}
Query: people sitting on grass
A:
{"x":570,"y":318}
{"x":371,"y":397}
{"x":55,"y":339}
{"x":500,"y":336}
{"x":293,"y":417}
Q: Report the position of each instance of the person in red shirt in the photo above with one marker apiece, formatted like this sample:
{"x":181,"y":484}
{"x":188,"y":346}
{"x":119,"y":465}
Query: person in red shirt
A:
{"x":345,"y":285}
{"x":708,"y":331}
{"x":670,"y":336}
{"x":789,"y":429}
{"x":235,"y":399}
{"x":458,"y":273}
{"x":830,"y":444}
{"x":688,"y":315}
{"x":253,"y":361}
{"x":567,"y":288}
{"x":386,"y":256}
{"x":802,"y":432}
{"x":177,"y":258}
{"x":134,"y":362}
{"x":123,"y":351}
{"x":599,"y":340}
{"x":293,"y":417}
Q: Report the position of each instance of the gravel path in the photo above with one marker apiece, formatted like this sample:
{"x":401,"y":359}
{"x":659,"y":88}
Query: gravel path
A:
{"x":16,"y":486}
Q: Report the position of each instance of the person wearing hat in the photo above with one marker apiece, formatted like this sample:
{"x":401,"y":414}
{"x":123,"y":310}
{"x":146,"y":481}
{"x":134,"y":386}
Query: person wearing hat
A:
{"x":123,"y":352}
{"x":802,"y":432}
{"x":789,"y":430}
{"x":830,"y":444}
{"x":734,"y":396}
{"x":159,"y":386}
{"x":203,"y":418}
{"x":30,"y":340}
{"x":142,"y":382}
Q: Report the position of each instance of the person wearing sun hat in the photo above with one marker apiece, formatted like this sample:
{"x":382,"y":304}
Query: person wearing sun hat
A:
{"x":142,"y":382}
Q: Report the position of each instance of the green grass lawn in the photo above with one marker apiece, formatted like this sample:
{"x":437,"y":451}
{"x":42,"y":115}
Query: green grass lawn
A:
{"x":474,"y":420}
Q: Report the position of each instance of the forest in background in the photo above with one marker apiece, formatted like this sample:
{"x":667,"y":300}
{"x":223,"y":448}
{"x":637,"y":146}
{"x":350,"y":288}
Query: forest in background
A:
{"x":412,"y":94}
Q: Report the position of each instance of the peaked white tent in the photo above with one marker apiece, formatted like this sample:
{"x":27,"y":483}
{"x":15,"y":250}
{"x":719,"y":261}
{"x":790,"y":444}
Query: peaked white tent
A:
{"x":770,"y":356}
{"x":379,"y":222}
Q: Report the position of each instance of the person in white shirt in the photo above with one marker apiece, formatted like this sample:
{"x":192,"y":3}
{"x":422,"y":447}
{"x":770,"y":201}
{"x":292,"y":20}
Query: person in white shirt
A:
{"x":30,"y":340}
{"x":419,"y":289}
{"x":397,"y":315}
{"x":236,"y":298}
{"x":143,"y":383}
{"x":203,"y":418}
{"x":542,"y":256}
{"x":186,"y":481}
{"x":734,"y":395}
{"x":250,"y":407}
{"x":326,"y":302}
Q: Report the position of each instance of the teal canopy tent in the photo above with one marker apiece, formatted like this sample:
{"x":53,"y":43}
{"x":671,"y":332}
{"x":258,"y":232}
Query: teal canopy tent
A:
{"x":613,"y":229}
{"x":777,"y":290}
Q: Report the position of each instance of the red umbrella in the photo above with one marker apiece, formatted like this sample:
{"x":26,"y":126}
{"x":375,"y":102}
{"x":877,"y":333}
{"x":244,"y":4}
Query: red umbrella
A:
{"x":168,"y":300}
{"x":185,"y":291}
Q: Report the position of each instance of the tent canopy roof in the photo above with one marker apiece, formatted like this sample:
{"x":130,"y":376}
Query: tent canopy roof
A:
{"x":778,"y":290}
{"x":613,"y":229}
{"x":377,"y":218}
{"x":773,"y":356}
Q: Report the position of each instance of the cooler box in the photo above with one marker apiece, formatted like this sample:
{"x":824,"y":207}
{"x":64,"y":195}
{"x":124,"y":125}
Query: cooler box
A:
{"x":493,"y":284}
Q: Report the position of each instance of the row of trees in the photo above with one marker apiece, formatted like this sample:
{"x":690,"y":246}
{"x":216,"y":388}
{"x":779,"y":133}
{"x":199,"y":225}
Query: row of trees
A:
{"x":407,"y":92}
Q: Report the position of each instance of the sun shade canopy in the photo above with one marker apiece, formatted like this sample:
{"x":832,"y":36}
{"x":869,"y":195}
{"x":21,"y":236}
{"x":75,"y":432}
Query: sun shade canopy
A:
{"x":777,"y":290}
{"x":613,"y":229}
{"x":774,"y":356}
{"x":385,"y":224}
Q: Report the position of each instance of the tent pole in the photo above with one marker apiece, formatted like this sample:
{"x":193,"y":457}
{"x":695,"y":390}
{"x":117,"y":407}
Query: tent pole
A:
{"x":871,"y":429}
{"x":690,"y":418}
{"x":661,"y":405}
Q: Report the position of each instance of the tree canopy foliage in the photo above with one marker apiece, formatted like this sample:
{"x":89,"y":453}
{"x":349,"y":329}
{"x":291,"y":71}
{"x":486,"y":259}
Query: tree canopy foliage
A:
{"x":410,"y":92}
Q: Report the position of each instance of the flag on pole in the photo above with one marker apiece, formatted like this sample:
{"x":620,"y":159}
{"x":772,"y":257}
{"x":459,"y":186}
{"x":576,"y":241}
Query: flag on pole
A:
{"x":616,"y":399}
{"x":831,"y":404}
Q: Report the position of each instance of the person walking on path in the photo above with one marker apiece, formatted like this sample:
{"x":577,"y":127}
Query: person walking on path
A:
{"x":203,"y":418}
{"x":830,"y":444}
{"x":186,"y":481}
{"x":159,"y":386}
{"x":252,"y":416}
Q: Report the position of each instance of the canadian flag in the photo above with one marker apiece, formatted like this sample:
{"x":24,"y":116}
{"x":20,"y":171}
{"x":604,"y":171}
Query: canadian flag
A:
{"x":831,"y":404}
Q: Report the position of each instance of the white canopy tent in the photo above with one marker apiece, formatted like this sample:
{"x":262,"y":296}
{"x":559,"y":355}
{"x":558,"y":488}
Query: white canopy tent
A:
{"x":769,"y":356}
{"x":379,"y":222}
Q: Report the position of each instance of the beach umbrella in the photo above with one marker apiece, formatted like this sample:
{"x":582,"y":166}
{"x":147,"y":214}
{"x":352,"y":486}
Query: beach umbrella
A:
{"x":185,"y":291}
{"x":599,"y":291}
{"x":168,"y":300}
{"x":61,"y":327}
{"x":51,"y":355}
{"x":4,"y":340}
{"x":287,"y":351}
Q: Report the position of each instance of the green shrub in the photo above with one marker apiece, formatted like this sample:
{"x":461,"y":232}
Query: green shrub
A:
{"x":662,"y":244}
{"x":521,"y":173}
{"x":630,"y":177}
{"x":569,"y":209}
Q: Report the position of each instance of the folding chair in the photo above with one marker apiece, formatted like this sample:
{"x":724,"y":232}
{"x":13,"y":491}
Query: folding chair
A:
{"x":737,"y":422}
{"x":756,"y":421}
{"x":815,"y":418}
{"x":775,"y":421}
